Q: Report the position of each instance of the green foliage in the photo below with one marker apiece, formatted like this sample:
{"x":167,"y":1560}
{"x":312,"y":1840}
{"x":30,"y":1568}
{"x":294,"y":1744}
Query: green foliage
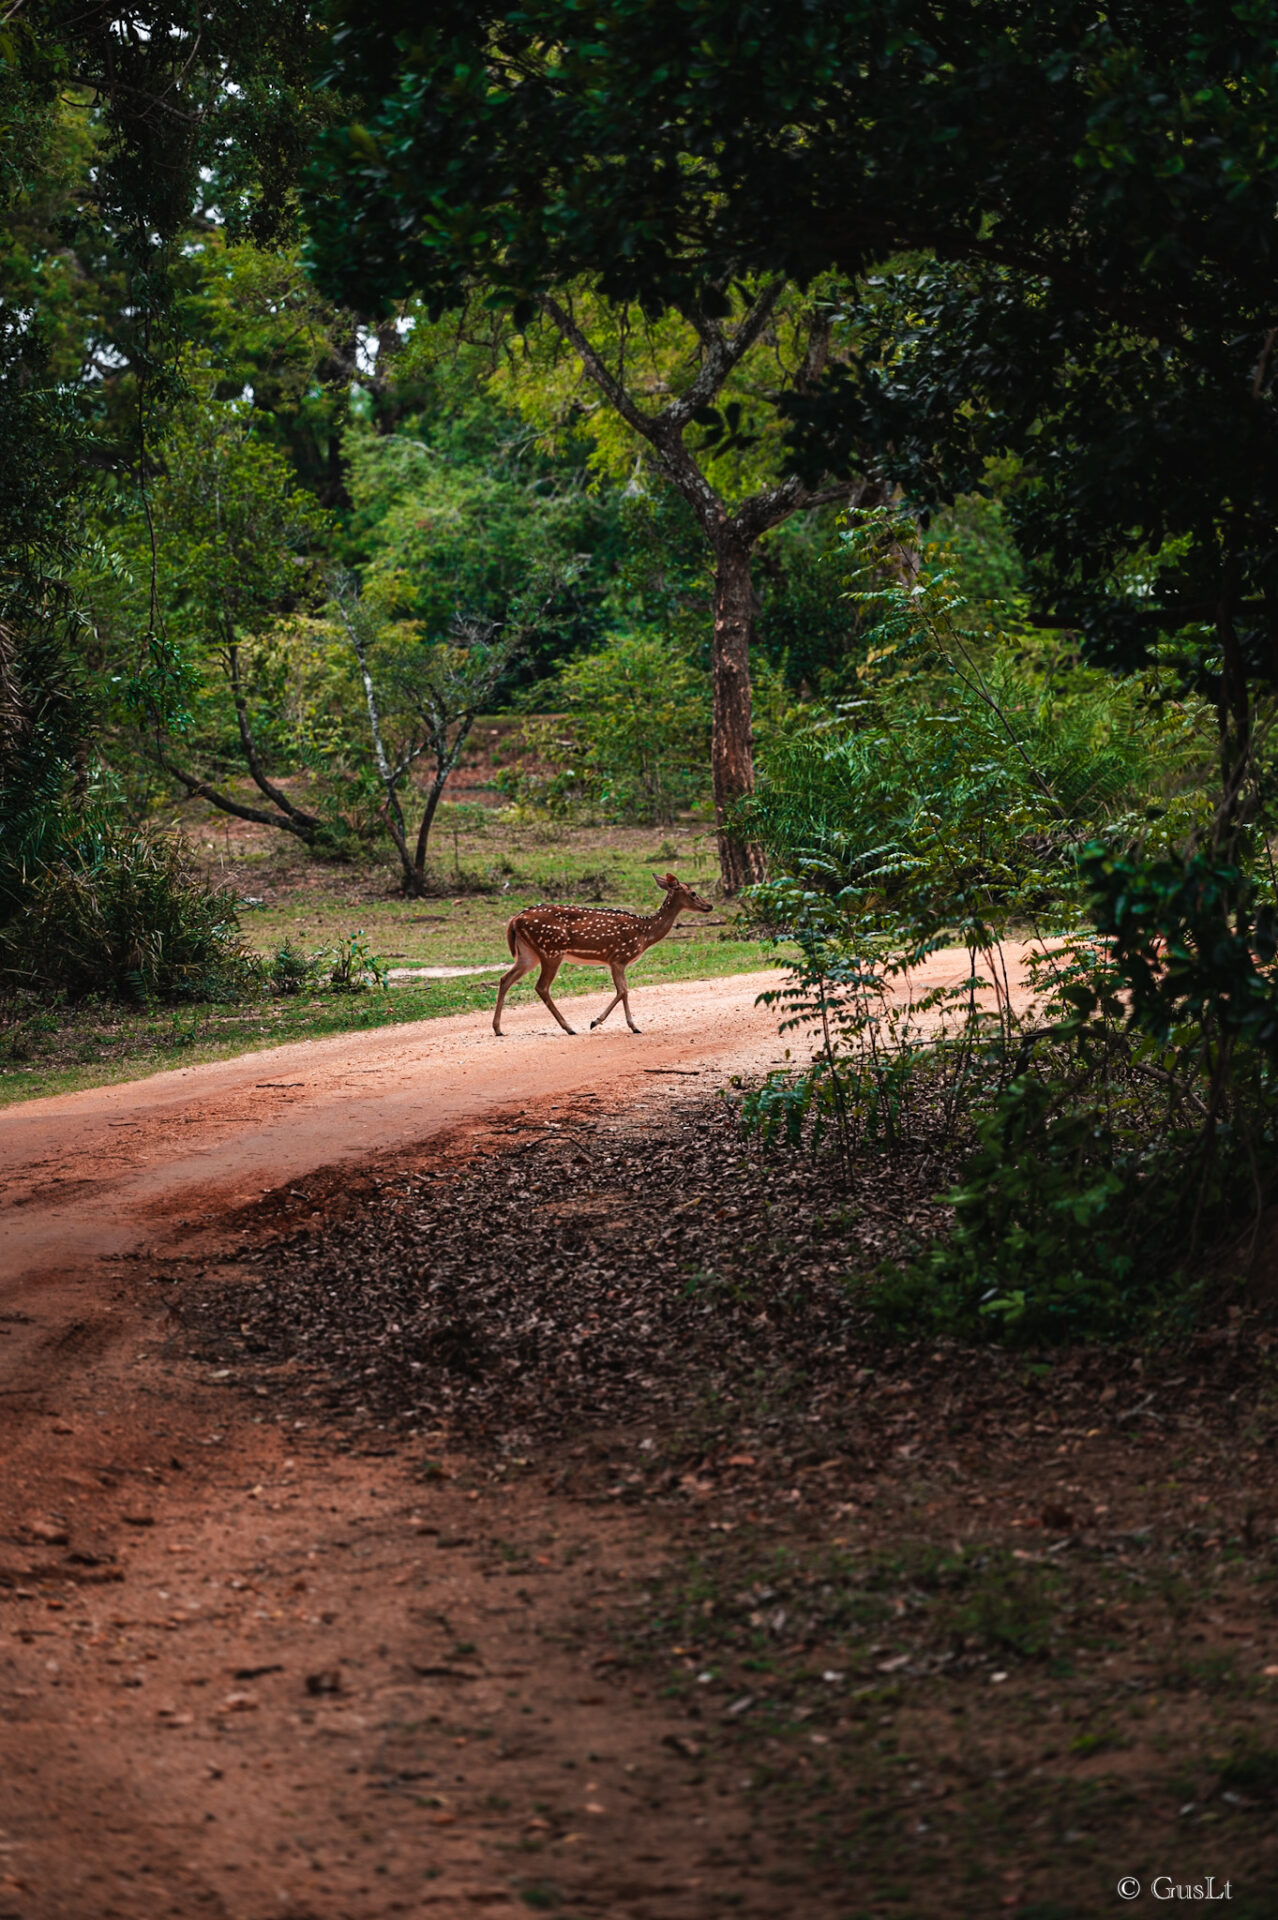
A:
{"x":125,"y":916}
{"x":478,"y":538}
{"x":883,"y":1062}
{"x":971,"y":542}
{"x":1138,"y":1127}
{"x":807,"y":627}
{"x":236,"y":532}
{"x":42,"y":723}
{"x":1101,"y":308}
{"x":1134,"y":1123}
{"x":1103,"y":1149}
{"x":956,"y":787}
{"x":635,"y":738}
{"x":793,"y":141}
{"x":256,"y":329}
{"x":46,"y":716}
{"x":1196,"y":942}
{"x":292,"y":971}
{"x":354,"y":966}
{"x":197,"y":668}
{"x":423,"y":693}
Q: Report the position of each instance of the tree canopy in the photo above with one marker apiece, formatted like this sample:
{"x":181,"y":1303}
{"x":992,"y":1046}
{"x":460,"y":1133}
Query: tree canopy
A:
{"x":1061,"y":215}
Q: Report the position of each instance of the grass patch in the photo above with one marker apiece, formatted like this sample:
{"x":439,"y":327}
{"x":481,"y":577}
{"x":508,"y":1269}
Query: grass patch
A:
{"x":907,"y":1715}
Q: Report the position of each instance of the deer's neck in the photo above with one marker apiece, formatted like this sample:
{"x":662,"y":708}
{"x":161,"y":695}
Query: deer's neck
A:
{"x":660,"y":923}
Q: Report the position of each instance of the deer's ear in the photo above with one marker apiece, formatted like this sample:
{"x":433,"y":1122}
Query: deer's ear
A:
{"x":665,"y":884}
{"x":670,"y":881}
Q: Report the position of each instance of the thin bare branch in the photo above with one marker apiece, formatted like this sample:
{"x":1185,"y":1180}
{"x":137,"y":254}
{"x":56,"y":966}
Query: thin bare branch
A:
{"x":597,"y":368}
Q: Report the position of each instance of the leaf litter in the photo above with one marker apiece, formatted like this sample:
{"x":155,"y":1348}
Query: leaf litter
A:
{"x":1046,"y":1576}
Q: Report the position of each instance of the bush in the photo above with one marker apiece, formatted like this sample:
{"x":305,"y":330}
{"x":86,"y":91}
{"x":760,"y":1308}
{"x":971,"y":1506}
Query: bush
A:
{"x":1101,"y":1150}
{"x":958,"y":785}
{"x":291,"y":971}
{"x":975,"y":786}
{"x":882,"y":1065}
{"x":126,"y":916}
{"x":354,"y":967}
{"x":1137,"y":1129}
{"x":635,"y":738}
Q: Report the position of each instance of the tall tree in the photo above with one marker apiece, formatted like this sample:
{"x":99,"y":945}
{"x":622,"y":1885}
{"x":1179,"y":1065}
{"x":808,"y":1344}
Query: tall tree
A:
{"x":185,"y":106}
{"x":686,"y":412}
{"x":698,"y":395}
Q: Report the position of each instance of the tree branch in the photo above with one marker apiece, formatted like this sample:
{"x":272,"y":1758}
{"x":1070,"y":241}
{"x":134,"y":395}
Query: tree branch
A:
{"x":598,"y":370}
{"x":762,"y":511}
{"x":664,"y":431}
{"x":724,"y":352}
{"x":201,"y":790}
{"x":268,"y":787}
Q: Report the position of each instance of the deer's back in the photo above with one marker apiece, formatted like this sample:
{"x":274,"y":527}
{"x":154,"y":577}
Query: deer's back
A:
{"x":580,"y":933}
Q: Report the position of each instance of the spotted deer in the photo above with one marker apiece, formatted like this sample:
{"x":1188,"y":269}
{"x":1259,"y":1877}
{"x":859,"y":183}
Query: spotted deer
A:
{"x":597,"y":937}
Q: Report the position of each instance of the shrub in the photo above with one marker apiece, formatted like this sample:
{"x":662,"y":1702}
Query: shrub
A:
{"x":354,"y":967}
{"x":959,"y":783}
{"x":634,"y":740}
{"x":1138,"y":1128}
{"x":125,"y":915}
{"x":291,"y":971}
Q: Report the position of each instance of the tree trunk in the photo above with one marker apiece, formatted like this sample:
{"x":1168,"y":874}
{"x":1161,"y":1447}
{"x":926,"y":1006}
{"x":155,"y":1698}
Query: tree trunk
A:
{"x":423,"y":834}
{"x":732,"y":743}
{"x":446,"y":758}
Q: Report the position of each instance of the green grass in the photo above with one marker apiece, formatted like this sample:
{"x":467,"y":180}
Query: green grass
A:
{"x":499,"y":869}
{"x":905,"y":1712}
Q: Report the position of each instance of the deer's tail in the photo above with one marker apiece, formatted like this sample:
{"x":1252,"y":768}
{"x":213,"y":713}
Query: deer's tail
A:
{"x":510,"y":934}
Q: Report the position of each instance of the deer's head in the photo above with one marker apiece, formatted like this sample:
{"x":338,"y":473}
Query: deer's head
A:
{"x":681,"y":896}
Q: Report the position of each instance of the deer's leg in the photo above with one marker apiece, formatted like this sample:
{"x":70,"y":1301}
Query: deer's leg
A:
{"x":617,"y":981}
{"x":624,"y":991}
{"x":525,"y":961}
{"x":549,"y":968}
{"x":622,"y":994}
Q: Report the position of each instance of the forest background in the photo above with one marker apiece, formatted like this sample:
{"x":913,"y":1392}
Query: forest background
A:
{"x":802,"y":461}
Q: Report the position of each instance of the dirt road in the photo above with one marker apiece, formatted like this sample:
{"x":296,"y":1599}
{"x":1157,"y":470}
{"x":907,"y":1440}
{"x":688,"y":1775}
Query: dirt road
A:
{"x":238,"y":1676}
{"x":107,"y":1170}
{"x":103,"y":1171}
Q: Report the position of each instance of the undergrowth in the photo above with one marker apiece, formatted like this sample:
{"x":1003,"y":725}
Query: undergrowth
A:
{"x":1127,"y":1123}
